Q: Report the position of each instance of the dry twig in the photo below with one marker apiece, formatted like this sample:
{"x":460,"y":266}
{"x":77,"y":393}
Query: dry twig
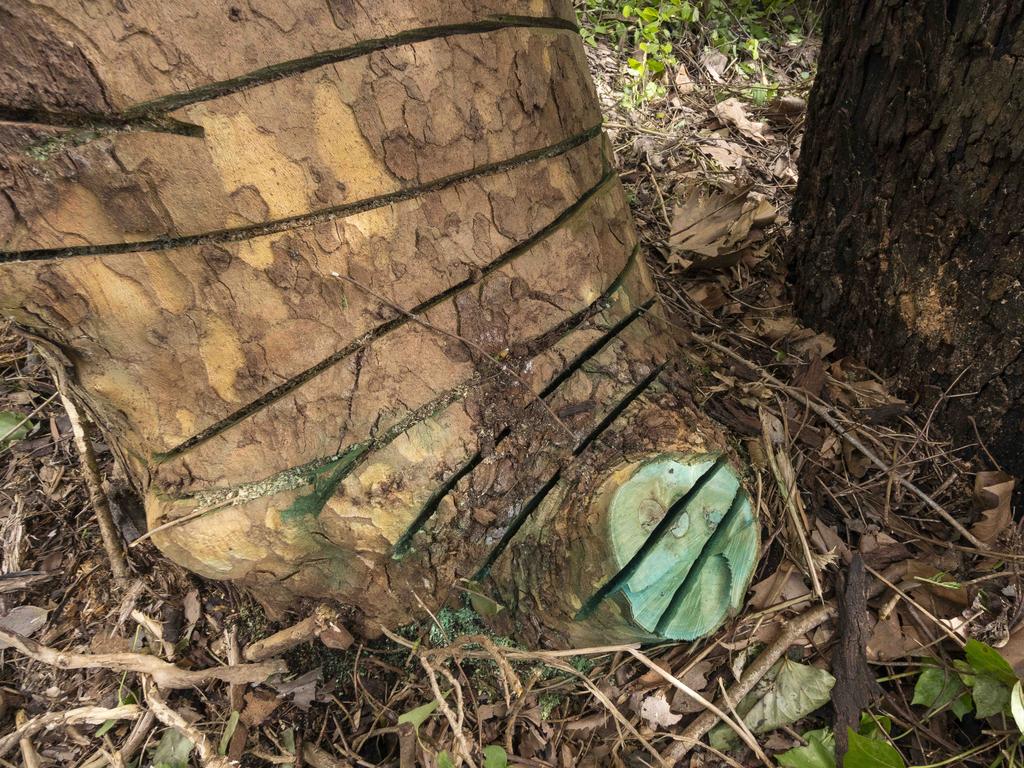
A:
{"x":165,"y":674}
{"x":82,"y":429}
{"x":50,"y":720}
{"x":165,"y":714}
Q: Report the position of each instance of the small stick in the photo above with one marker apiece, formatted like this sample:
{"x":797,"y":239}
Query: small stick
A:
{"x":29,"y":756}
{"x":318,"y":758}
{"x":49,"y":720}
{"x":158,"y":706}
{"x":165,"y":674}
{"x":739,"y":729}
{"x":323,"y":619}
{"x":82,"y":429}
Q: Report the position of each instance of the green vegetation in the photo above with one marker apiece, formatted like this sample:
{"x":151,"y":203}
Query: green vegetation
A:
{"x":654,"y":31}
{"x":982,"y":684}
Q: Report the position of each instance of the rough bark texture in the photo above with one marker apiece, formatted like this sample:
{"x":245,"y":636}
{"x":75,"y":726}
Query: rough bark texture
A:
{"x":354,"y":289}
{"x":908,"y":241}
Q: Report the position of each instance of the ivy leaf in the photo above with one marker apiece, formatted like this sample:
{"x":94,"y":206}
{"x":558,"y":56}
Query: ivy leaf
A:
{"x":11,"y":428}
{"x":819,"y":752}
{"x":865,"y":752}
{"x":789,"y":692}
{"x":172,"y":751}
{"x":418,"y":715}
{"x":985,"y":660}
{"x":990,"y":696}
{"x":444,"y":760}
{"x":962,"y":706}
{"x":935,"y":688}
{"x":495,"y":757}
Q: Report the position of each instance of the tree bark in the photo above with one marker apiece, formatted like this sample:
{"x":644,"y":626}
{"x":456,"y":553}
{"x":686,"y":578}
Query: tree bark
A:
{"x":908,"y":242}
{"x":355,"y":292}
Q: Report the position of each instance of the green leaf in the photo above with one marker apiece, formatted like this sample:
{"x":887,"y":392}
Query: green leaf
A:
{"x":789,"y":692}
{"x":11,"y":428}
{"x":935,"y":688}
{"x":172,"y":751}
{"x":495,"y":757}
{"x":990,"y":696}
{"x":819,"y":752}
{"x":229,"y":731}
{"x":418,"y":715}
{"x":985,"y":660}
{"x":864,"y":752}
{"x":444,"y":760}
{"x":875,"y":727}
{"x":106,"y":726}
{"x":1017,"y":705}
{"x":962,"y":705}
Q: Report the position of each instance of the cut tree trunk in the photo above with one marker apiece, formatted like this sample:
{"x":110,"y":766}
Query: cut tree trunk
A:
{"x":354,"y":290}
{"x":908,"y":242}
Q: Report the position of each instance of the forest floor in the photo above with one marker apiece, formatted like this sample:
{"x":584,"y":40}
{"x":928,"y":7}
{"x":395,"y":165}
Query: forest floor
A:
{"x":846,"y":474}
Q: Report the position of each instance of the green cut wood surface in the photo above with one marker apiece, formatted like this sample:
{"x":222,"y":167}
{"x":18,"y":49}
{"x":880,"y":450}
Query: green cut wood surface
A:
{"x":689,"y":578}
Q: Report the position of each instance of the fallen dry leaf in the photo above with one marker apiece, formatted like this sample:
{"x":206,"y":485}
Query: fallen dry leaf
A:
{"x":993,"y":492}
{"x":25,"y":620}
{"x":731,"y":112}
{"x":787,"y":583}
{"x":696,"y":678}
{"x":887,"y":641}
{"x":302,"y":689}
{"x":656,"y":710}
{"x":719,"y":226}
{"x":684,"y":84}
{"x":714,"y":63}
{"x":727,"y":154}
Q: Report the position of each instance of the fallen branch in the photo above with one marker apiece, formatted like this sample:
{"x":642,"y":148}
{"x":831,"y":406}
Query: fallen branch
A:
{"x":165,"y":674}
{"x":50,"y":720}
{"x":165,"y":714}
{"x":751,"y":677}
{"x":82,"y":429}
{"x":322,"y":622}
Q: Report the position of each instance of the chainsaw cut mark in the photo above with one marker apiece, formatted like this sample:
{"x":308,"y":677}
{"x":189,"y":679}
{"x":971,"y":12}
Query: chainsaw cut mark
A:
{"x":404,"y":544}
{"x":675,"y":613}
{"x":97,"y":123}
{"x":351,"y":457}
{"x":237,"y":234}
{"x":381,"y":330}
{"x":535,"y":501}
{"x":671,"y":518}
{"x":284,"y":69}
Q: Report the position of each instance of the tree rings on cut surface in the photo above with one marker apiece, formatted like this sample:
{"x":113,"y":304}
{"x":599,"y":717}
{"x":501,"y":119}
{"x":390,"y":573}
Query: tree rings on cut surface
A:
{"x":685,"y":540}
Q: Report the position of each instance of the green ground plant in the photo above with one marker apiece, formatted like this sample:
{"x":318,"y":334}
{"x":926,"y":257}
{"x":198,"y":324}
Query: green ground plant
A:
{"x":652,"y":31}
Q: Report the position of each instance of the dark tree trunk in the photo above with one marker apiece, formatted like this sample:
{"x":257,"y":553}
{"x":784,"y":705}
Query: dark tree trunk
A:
{"x":909,"y":209}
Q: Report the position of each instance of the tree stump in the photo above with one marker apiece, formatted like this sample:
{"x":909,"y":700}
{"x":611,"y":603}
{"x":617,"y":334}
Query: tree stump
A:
{"x":355,"y":293}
